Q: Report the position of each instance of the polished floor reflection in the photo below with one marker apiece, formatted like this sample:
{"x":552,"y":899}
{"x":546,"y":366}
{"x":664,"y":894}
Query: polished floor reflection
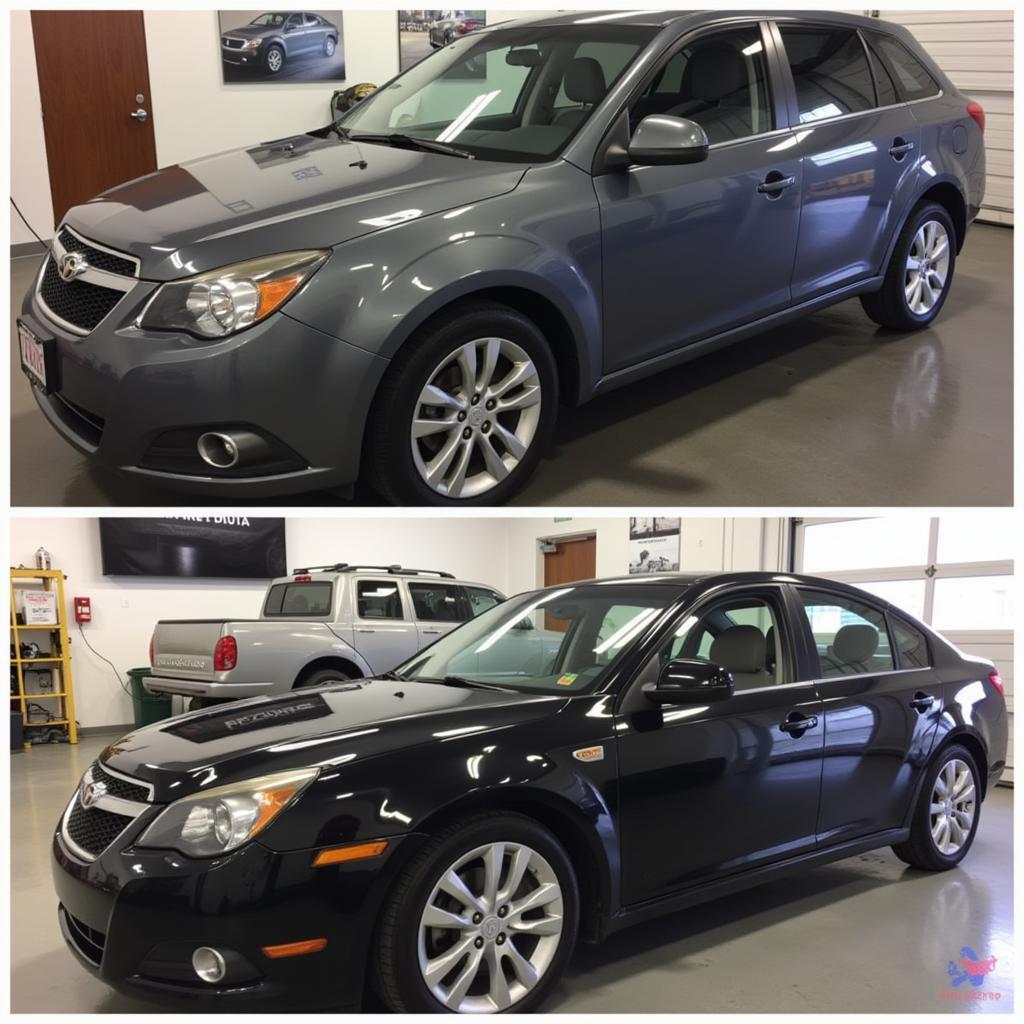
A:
{"x":866,"y":934}
{"x":825,"y":411}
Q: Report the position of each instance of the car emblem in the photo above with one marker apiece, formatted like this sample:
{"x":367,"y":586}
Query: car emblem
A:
{"x":71,"y":265}
{"x":91,"y":792}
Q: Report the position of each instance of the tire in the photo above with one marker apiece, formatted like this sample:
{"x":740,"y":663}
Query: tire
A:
{"x":321,"y":676}
{"x":401,"y":935}
{"x":889,"y":307}
{"x":329,"y":46}
{"x":198,"y":703}
{"x":273,"y":63}
{"x":922,"y":849}
{"x":398,"y":465}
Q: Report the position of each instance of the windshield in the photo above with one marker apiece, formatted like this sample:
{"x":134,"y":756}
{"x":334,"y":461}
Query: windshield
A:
{"x":550,"y":641}
{"x":273,"y":20}
{"x":505,"y":94}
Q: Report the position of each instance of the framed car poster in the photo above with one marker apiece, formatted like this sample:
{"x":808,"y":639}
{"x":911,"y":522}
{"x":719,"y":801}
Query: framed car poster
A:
{"x":422,"y":32}
{"x":281,"y":47}
{"x":653,"y":544}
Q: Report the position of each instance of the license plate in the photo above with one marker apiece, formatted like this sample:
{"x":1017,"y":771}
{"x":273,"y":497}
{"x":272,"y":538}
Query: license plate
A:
{"x":33,"y":356}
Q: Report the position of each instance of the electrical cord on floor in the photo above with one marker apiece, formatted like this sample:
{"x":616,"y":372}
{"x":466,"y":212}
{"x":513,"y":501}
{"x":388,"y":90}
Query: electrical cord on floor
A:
{"x":24,"y":220}
{"x":113,"y":667}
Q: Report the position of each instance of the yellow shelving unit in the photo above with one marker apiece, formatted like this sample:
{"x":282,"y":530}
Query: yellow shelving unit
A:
{"x":59,"y":656}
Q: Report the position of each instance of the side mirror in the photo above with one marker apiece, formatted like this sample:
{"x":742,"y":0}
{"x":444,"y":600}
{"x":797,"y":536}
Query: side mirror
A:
{"x":690,"y":681}
{"x":661,"y":140}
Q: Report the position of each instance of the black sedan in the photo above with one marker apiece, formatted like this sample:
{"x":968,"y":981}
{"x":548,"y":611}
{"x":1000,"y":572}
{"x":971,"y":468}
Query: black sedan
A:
{"x":573,"y":761}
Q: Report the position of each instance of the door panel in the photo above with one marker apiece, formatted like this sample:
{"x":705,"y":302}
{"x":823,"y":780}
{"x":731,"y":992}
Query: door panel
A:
{"x":383,"y":630}
{"x":91,"y":67}
{"x":709,"y":791}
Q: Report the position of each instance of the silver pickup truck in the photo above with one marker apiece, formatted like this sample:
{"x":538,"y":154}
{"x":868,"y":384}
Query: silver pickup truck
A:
{"x":323,"y":623}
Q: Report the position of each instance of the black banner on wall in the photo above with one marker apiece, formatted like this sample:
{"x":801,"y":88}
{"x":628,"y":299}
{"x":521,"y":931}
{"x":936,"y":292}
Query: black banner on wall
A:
{"x":220,"y":547}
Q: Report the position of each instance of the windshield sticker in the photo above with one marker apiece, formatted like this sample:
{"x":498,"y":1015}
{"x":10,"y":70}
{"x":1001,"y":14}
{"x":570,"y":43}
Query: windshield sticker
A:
{"x":568,"y":679}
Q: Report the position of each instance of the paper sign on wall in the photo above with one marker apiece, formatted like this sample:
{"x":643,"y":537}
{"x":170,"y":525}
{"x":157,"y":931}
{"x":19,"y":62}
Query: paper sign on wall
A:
{"x":40,"y":607}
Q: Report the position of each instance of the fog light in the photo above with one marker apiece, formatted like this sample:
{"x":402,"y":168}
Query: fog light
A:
{"x":209,"y":964}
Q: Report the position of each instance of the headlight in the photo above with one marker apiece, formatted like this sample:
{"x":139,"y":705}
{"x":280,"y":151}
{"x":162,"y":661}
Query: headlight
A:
{"x":221,"y":302}
{"x":251,"y":44}
{"x":222,"y":819}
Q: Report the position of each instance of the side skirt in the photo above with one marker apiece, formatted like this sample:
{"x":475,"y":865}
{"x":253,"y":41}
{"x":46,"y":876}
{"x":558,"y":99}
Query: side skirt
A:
{"x":696,"y":349}
{"x":640,"y":912}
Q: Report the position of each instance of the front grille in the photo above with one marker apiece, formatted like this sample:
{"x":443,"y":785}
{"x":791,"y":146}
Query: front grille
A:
{"x":232,"y":44}
{"x":93,"y":830}
{"x":88,"y":941}
{"x":119,"y":787}
{"x":98,"y":258}
{"x":76,"y":302}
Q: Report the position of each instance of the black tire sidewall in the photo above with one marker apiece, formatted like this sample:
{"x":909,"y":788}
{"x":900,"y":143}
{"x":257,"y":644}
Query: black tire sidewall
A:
{"x":923,"y":823}
{"x":416,"y":997}
{"x":929,"y":211}
{"x":394,"y":471}
{"x":320,"y":676}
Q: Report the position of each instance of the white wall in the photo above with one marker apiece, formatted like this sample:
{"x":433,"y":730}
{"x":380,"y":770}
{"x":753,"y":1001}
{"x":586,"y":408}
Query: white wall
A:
{"x":30,"y":176}
{"x":125,"y":610}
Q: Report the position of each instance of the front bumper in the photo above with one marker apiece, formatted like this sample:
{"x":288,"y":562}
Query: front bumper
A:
{"x":120,"y":391}
{"x":244,"y":58}
{"x":203,"y":688}
{"x":133,"y":918}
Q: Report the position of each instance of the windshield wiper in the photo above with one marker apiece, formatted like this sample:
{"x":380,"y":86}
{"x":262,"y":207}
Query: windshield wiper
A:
{"x":408,"y":141}
{"x":469,"y":684}
{"x":391,"y":675}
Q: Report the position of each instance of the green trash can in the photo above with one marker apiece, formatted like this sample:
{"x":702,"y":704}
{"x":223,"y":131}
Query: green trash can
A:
{"x":149,"y":707}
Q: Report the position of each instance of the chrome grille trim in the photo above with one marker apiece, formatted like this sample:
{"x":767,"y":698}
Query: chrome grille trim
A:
{"x":115,"y":805}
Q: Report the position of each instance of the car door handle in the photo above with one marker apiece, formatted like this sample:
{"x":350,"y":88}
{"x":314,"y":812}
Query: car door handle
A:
{"x":900,"y":148}
{"x":431,"y":632}
{"x":796,"y":724}
{"x":922,"y":702}
{"x":366,"y":631}
{"x":775,"y":182}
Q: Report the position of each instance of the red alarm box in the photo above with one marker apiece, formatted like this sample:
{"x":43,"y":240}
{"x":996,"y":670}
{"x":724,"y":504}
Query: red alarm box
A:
{"x":83,"y":609}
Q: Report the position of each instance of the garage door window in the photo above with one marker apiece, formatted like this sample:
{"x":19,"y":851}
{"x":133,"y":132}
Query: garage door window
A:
{"x":830,"y":72}
{"x":311,"y":600}
{"x":912,"y":79}
{"x":378,"y":600}
{"x":851,"y":637}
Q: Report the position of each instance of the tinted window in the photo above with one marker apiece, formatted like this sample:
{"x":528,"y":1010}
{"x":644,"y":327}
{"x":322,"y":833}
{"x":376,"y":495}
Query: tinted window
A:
{"x":436,"y":602}
{"x":911,"y":645}
{"x":850,"y":636}
{"x":830,"y":71}
{"x":719,"y":81}
{"x":740,"y":634}
{"x":378,"y":599}
{"x":610,"y":57}
{"x":311,"y":599}
{"x":885,"y":86}
{"x":480,"y":600}
{"x":913,"y":81}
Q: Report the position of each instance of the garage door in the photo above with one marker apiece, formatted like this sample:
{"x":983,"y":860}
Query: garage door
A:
{"x":975,"y":48}
{"x":953,"y":572}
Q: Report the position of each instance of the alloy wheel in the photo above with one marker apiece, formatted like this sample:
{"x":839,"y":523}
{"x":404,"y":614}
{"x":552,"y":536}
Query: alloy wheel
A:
{"x":476,"y":417}
{"x":927,"y":268}
{"x":490,"y":929}
{"x":953,"y":807}
{"x":274,"y":60}
{"x":329,"y":48}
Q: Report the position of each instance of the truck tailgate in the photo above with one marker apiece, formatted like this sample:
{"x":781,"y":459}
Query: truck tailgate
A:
{"x":183,"y":648}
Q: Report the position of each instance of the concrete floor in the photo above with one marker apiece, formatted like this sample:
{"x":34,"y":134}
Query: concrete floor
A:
{"x":866,"y":934}
{"x":825,"y":411}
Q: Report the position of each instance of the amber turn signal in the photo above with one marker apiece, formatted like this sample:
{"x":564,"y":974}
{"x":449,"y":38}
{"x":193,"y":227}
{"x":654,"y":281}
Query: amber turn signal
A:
{"x":341,"y":854}
{"x":295,"y":948}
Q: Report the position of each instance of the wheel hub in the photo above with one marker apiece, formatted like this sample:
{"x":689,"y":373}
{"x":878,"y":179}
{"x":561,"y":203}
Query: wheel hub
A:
{"x":490,"y":928}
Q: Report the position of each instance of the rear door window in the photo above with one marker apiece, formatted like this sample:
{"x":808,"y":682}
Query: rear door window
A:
{"x":830,"y":70}
{"x":437,"y":602}
{"x":378,"y":599}
{"x":911,"y":645}
{"x":850,"y":636}
{"x":912,"y":79}
{"x":480,"y":599}
{"x":299,"y":600}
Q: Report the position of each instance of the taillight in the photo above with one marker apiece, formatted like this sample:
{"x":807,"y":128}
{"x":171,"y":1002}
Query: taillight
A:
{"x":225,"y":654}
{"x":462,"y":28}
{"x":977,"y":111}
{"x":303,"y":579}
{"x":152,"y":662}
{"x":997,"y":681}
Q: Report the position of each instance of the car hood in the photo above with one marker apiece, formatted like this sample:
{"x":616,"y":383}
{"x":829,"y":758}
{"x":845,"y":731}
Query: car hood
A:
{"x":324,"y":726}
{"x":304,"y":192}
{"x":252,"y":31}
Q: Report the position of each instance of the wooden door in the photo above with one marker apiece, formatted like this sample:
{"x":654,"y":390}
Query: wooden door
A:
{"x":92,"y":68}
{"x":570,"y":562}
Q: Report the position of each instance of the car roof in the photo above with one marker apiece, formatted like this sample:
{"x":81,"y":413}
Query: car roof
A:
{"x":663,"y":19}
